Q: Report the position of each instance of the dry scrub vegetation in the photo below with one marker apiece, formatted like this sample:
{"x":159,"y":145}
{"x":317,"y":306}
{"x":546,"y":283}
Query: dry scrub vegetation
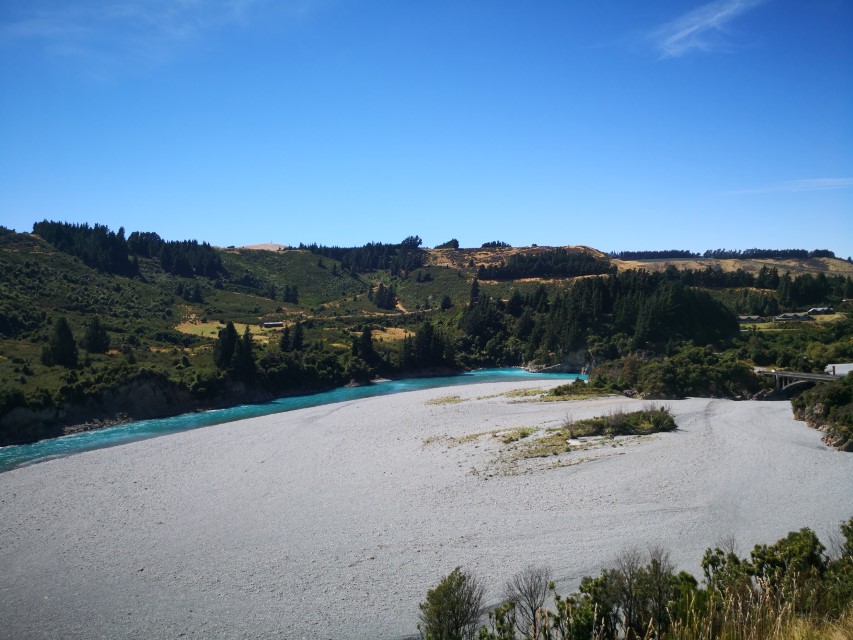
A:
{"x":525,"y":449}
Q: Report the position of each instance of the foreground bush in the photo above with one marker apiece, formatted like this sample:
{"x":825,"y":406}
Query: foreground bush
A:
{"x":453,"y":608}
{"x":790,"y":590}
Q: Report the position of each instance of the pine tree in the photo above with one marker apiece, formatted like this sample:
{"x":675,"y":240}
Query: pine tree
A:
{"x":515,"y":304}
{"x":95,"y":340}
{"x":298,"y":341}
{"x":223,"y":351}
{"x":62,"y":348}
{"x":362,"y":346}
{"x":243,"y":360}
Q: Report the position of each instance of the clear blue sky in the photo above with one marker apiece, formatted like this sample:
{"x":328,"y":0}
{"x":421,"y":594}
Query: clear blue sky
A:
{"x":620,"y":125}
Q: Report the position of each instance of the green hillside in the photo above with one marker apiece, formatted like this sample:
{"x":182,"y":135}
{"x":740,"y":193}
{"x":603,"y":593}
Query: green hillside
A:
{"x":150,"y":321}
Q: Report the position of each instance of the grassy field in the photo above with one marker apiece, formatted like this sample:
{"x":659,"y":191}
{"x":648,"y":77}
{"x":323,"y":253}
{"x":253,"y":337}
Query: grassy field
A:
{"x":211,"y":330}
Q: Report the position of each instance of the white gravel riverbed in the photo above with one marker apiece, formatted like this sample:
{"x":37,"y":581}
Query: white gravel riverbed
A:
{"x":332,"y":522}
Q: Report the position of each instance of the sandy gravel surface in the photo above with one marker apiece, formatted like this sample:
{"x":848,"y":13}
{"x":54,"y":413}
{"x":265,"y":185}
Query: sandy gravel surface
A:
{"x":332,"y":522}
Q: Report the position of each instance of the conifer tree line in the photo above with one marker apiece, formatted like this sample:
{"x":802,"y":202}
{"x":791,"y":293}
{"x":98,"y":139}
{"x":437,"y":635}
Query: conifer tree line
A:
{"x":186,"y":258}
{"x":96,"y":246}
{"x":725,"y":254}
{"x":109,"y":251}
{"x":395,"y":258}
{"x":648,"y":308}
{"x":793,"y":291}
{"x":554,"y":263}
{"x":765,"y":254}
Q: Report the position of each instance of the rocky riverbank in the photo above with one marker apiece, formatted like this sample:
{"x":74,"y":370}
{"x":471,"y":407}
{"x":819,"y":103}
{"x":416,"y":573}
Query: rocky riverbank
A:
{"x":333,"y":521}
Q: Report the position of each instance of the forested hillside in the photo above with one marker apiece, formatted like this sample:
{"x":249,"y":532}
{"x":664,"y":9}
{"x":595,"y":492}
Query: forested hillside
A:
{"x":90,"y":318}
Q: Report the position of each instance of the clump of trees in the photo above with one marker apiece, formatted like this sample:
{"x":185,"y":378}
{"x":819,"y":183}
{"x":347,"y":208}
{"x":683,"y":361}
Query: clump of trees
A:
{"x":186,"y":258}
{"x":109,"y":251}
{"x":683,"y":370}
{"x":806,"y":350}
{"x":96,"y":246}
{"x":495,"y":244}
{"x":648,"y":310}
{"x":767,"y":254}
{"x":396,"y":258}
{"x":235,"y":353}
{"x":450,"y":244}
{"x":429,"y":348}
{"x":790,"y":585}
{"x":384,"y":297}
{"x":556,"y":263}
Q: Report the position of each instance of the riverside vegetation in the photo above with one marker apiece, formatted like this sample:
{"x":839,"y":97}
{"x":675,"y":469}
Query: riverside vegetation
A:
{"x":789,"y":590}
{"x":97,"y":326}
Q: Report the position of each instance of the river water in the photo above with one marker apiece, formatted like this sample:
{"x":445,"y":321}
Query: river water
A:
{"x":18,"y":455}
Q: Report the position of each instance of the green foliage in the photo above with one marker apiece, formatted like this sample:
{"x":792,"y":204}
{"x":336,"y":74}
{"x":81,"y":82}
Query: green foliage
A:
{"x":97,"y":246}
{"x":362,"y":347}
{"x":428,"y":349}
{"x":475,"y":291}
{"x":411,"y":242}
{"x":95,"y":340}
{"x":792,"y":568}
{"x":649,"y":420}
{"x":787,"y":590}
{"x":450,"y":244}
{"x":554,"y":263}
{"x":396,"y":258}
{"x":452,"y":608}
{"x":243,"y":359}
{"x":164,"y":314}
{"x":185,"y":258}
{"x":598,"y":385}
{"x":829,"y":407}
{"x":62,"y":348}
{"x":385,"y":297}
{"x":696,"y":371}
{"x":297,"y":342}
{"x":226,"y":345}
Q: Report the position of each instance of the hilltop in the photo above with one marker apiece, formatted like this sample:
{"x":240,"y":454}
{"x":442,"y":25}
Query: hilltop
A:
{"x":794,"y":266}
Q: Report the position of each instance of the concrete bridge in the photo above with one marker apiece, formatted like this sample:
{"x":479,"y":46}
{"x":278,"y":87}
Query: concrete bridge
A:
{"x":785,"y":380}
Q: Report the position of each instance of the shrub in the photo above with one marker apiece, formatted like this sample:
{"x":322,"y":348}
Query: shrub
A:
{"x":452,"y":608}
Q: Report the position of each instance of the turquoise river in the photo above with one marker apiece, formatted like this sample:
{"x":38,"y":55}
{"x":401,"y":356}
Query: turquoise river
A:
{"x":18,"y":455}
